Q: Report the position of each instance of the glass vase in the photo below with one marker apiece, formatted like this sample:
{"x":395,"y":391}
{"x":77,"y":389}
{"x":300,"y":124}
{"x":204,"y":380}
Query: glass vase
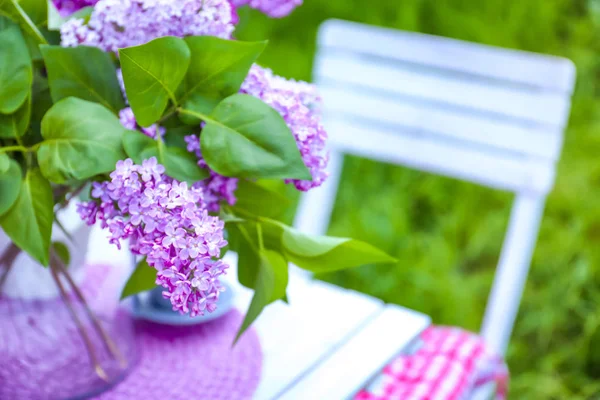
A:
{"x":63,"y":333}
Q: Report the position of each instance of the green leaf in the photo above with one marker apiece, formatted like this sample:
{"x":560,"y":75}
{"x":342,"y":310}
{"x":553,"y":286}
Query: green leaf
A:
{"x":142,"y":279}
{"x":81,"y":139}
{"x":152,"y":72}
{"x":55,"y":20}
{"x":36,"y":10}
{"x":246,"y":138}
{"x":4,"y":162}
{"x":242,"y":239}
{"x":41,"y":103}
{"x":270,"y":285}
{"x":62,"y":251}
{"x":10,"y":182}
{"x":15,"y":10}
{"x":179,"y":163}
{"x":256,"y":199}
{"x":29,"y":221}
{"x":324,"y":253}
{"x":15,"y":124}
{"x":16,"y":73}
{"x":84,"y":72}
{"x":217,"y":69}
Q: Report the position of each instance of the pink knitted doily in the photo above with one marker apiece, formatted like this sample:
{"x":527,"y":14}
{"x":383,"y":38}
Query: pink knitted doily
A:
{"x":193,"y":362}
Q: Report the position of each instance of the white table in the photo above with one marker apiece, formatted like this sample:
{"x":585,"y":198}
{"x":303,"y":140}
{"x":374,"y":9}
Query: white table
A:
{"x":326,"y":344}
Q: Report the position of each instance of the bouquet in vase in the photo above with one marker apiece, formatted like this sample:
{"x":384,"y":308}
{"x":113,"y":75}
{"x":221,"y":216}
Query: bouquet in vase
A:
{"x":168,"y":134}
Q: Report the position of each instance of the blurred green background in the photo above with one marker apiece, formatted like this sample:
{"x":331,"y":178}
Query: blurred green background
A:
{"x":448,"y":234}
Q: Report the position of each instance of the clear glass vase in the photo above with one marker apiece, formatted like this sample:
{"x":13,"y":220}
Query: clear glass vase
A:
{"x":63,"y":333}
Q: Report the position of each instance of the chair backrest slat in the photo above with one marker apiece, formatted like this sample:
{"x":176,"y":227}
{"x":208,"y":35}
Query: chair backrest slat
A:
{"x":442,"y":89}
{"x":446,"y":124}
{"x":469,"y":111}
{"x":543,"y":71}
{"x":471,"y":163}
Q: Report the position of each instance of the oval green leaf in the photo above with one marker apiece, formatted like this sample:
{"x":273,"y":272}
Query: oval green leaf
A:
{"x":36,"y":10}
{"x":84,"y":72}
{"x":62,"y":251}
{"x":217,"y":70}
{"x":16,"y":73}
{"x":256,"y":199}
{"x":271,"y":283}
{"x":20,"y":11}
{"x":81,"y":139}
{"x":242,"y":240}
{"x":324,"y":253}
{"x":29,"y":221}
{"x":4,"y":162}
{"x":143,"y":278}
{"x":16,"y":124}
{"x":152,"y":72}
{"x":10,"y":182}
{"x":179,"y":163}
{"x":246,"y":138}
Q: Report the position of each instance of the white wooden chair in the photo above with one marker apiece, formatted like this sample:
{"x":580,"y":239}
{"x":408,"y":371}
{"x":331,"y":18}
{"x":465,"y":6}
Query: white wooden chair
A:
{"x":478,"y":113}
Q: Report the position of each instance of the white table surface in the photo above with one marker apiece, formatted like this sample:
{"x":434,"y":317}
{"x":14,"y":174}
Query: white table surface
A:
{"x":325,"y":344}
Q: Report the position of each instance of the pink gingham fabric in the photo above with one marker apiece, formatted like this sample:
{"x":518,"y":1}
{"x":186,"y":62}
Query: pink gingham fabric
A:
{"x":449,"y":365}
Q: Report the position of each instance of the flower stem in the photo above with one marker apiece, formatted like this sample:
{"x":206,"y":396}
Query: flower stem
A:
{"x":7,"y":259}
{"x":195,"y":114}
{"x":108,"y":342}
{"x":168,"y":115}
{"x":7,"y":149}
{"x":82,"y":331}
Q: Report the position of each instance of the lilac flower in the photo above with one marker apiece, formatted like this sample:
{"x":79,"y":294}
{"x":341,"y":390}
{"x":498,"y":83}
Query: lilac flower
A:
{"x":298,"y":104}
{"x":128,"y":121}
{"x":272,"y":8}
{"x":167,"y":222}
{"x":216,"y":188}
{"x":68,"y":7}
{"x":116,"y":24}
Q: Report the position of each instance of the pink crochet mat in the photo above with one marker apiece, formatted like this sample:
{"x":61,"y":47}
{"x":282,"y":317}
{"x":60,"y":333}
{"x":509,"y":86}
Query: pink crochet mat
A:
{"x":449,"y":364}
{"x":41,"y":353}
{"x":194,"y":362}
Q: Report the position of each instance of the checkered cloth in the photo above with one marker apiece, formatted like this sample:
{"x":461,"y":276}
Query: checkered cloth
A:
{"x":449,"y":365}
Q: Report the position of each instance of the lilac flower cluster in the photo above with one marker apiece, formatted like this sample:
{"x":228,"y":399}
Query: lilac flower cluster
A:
{"x":68,"y":7}
{"x":216,"y":188}
{"x":116,"y":24}
{"x":272,"y":8}
{"x":168,"y":223}
{"x":298,"y":104}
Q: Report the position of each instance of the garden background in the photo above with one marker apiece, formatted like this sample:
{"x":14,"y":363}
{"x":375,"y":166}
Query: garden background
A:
{"x":447,"y":234}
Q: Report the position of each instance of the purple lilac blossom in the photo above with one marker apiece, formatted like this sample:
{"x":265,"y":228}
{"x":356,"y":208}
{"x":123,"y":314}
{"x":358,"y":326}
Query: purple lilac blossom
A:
{"x":298,"y":104}
{"x":128,"y":121}
{"x":167,"y":222}
{"x":116,"y":24}
{"x":68,"y":7}
{"x":272,"y":8}
{"x":216,"y":188}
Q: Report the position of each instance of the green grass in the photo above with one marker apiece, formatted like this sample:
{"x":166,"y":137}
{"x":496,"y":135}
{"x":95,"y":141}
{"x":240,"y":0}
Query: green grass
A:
{"x":448,"y":234}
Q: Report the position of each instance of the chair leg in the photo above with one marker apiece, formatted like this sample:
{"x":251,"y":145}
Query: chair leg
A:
{"x":511,"y":274}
